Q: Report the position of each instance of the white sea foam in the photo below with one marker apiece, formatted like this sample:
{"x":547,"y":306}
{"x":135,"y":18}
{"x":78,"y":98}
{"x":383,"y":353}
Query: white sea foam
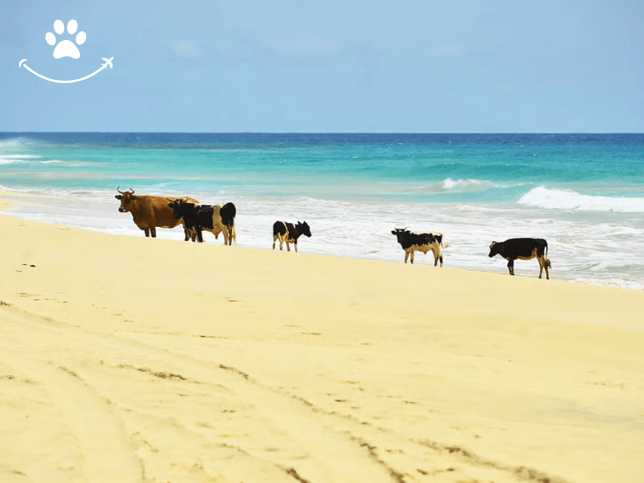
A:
{"x":541,"y":197}
{"x":27,"y":158}
{"x":454,"y":185}
{"x":450,"y":183}
{"x":470,"y":184}
{"x":72,"y":164}
{"x":19,"y":156}
{"x":15,"y":142}
{"x":16,"y":158}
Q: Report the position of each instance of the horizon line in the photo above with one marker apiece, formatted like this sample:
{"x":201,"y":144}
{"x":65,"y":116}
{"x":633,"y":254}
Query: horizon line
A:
{"x":321,"y":132}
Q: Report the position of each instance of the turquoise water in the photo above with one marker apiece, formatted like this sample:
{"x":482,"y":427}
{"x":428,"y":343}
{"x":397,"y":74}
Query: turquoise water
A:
{"x":584,"y":193}
{"x":405,"y":167}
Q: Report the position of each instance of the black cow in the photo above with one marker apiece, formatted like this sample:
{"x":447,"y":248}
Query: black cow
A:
{"x":215,"y":219}
{"x":523,"y":249}
{"x":289,"y":233}
{"x":422,"y":242}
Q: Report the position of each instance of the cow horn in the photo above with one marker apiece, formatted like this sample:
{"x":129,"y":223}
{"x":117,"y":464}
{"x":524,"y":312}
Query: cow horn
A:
{"x":117,"y":189}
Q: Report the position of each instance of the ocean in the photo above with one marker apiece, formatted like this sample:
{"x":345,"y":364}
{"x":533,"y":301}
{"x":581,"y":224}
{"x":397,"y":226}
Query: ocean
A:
{"x":583,"y":193}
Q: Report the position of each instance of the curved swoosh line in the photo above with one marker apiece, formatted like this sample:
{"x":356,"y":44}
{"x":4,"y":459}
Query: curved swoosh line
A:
{"x":63,"y":81}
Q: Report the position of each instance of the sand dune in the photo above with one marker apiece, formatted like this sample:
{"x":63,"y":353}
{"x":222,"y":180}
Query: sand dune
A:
{"x":128,"y":359}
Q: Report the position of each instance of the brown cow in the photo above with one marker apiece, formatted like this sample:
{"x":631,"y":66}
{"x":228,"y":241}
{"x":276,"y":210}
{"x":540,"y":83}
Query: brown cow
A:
{"x":150,"y":212}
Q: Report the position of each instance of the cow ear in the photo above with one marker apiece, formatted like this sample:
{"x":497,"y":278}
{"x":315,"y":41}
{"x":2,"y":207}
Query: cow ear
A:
{"x":118,"y":197}
{"x":134,"y":197}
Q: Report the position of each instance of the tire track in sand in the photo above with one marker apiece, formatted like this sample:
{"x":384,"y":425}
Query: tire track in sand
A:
{"x":103,"y":443}
{"x":332,"y":456}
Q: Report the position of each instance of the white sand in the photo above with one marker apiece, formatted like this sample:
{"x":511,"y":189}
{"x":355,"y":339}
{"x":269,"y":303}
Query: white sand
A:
{"x":129,"y":359}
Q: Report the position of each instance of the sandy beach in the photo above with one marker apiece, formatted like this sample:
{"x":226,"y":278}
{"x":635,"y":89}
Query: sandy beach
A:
{"x":126,"y":359}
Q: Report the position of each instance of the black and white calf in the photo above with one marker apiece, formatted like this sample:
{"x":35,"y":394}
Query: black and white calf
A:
{"x":289,"y":233}
{"x":523,"y":249}
{"x":422,"y":242}
{"x":216,"y":219}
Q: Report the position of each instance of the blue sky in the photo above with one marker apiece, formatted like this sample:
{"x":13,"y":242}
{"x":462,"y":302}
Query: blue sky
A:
{"x":327,"y":66}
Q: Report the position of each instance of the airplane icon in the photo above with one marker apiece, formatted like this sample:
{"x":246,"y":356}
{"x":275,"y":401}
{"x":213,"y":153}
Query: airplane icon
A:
{"x":108,"y":62}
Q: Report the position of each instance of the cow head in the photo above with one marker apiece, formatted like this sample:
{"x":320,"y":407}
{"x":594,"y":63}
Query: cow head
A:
{"x":180,"y":208}
{"x":400,"y":233}
{"x":494,"y":249}
{"x":126,"y":200}
{"x":303,"y":229}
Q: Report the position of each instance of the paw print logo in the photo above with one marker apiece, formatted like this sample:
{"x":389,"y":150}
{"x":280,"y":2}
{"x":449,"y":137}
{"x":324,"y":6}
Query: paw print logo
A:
{"x":66,"y":48}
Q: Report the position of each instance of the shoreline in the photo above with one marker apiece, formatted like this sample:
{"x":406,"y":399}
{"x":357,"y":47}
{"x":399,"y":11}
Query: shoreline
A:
{"x":523,"y":269}
{"x":201,"y":361}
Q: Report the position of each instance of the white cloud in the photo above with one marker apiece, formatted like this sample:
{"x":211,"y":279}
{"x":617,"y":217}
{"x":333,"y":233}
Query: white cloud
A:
{"x":303,"y":45}
{"x":186,"y":48}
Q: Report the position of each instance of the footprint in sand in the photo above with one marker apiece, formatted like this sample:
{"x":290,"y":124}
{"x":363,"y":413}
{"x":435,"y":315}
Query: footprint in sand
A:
{"x":66,"y":48}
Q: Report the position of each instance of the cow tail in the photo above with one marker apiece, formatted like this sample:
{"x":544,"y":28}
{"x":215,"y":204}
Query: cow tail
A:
{"x":546,"y":254}
{"x":545,"y":250}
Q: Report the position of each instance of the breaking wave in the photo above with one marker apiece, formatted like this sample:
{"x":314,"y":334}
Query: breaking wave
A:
{"x":16,"y":158}
{"x":555,"y":199}
{"x":15,"y":142}
{"x":450,"y":183}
